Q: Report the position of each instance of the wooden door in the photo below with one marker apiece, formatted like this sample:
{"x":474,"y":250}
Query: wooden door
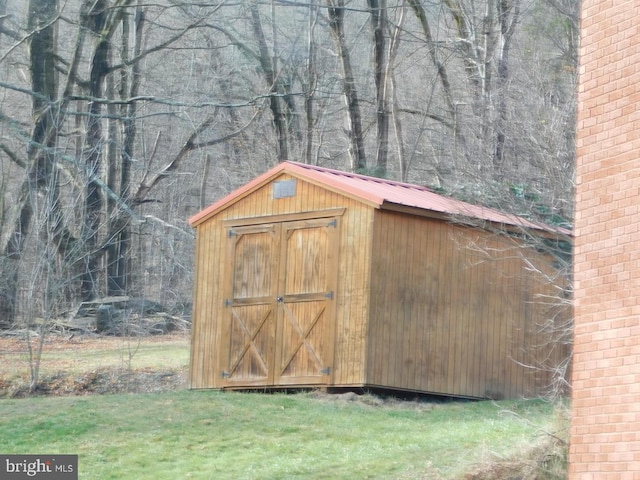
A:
{"x":305,"y":316}
{"x":248,"y":339}
{"x":280,"y":303}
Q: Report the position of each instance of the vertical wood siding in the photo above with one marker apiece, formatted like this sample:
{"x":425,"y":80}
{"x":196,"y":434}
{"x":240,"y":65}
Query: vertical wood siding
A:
{"x":455,"y":310}
{"x":208,"y":296}
{"x":351,"y":296}
{"x":420,"y":304}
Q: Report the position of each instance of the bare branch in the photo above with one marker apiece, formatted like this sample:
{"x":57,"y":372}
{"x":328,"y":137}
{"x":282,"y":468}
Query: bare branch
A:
{"x":189,"y":145}
{"x":219,"y":140}
{"x":158,"y":47}
{"x":13,"y":156}
{"x":21,"y":40}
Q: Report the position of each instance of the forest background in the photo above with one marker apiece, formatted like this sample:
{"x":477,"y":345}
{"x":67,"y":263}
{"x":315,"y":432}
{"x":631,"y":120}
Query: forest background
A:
{"x":121,"y":118}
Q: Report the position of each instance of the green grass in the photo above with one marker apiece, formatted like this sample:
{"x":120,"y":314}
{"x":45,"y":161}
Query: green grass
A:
{"x":214,"y":435}
{"x":74,"y":357}
{"x":129,"y":353}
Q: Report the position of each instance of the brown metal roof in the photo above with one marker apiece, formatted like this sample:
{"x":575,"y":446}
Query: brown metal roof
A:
{"x":378,"y":192}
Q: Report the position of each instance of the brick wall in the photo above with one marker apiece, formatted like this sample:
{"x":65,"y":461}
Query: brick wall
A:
{"x":605,"y":430}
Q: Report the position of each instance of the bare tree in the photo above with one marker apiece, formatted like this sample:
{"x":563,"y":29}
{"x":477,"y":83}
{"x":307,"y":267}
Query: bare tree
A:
{"x":474,"y":97}
{"x":354,"y":131}
{"x":379,"y":27}
{"x":118,"y":247}
{"x":40,"y":171}
{"x":81,"y":246}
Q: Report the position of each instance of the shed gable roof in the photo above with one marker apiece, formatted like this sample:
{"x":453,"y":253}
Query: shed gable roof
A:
{"x":377,"y":192}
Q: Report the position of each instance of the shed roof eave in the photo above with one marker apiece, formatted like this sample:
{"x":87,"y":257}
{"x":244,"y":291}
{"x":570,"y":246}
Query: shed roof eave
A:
{"x":518,"y":224}
{"x":383,"y":194}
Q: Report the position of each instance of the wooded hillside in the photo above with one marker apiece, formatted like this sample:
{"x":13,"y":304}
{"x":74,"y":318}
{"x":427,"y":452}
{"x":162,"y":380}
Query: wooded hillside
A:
{"x":121,"y":118}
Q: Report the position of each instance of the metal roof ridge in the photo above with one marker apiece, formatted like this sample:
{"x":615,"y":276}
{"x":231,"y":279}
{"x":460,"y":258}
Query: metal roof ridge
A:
{"x":360,"y":176}
{"x":342,"y":182}
{"x":320,"y":175}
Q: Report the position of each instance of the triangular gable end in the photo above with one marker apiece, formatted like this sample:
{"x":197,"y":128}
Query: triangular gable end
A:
{"x":234,"y":196}
{"x":294,"y":170}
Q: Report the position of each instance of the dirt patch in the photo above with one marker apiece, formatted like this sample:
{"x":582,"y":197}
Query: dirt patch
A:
{"x":372,"y":399}
{"x":100,"y":382}
{"x":92,"y":364}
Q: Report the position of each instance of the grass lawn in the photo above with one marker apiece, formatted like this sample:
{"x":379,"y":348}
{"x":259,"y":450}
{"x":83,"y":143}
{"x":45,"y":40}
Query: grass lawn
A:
{"x":81,"y":354}
{"x":215,"y":435}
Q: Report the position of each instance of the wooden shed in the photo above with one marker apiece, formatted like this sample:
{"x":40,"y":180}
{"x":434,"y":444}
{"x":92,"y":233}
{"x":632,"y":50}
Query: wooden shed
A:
{"x":308,"y":276}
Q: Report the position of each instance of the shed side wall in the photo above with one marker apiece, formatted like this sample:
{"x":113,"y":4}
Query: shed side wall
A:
{"x":455,"y":311}
{"x":352,"y":289}
{"x":205,"y":320}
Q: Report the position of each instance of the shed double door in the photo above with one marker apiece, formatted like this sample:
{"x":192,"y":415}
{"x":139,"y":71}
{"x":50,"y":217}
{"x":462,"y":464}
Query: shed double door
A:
{"x":280,"y":303}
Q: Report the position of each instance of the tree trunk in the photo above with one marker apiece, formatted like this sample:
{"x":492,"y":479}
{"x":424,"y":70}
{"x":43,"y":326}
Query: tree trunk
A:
{"x":3,"y":15}
{"x":311,"y":82}
{"x":354,"y":119}
{"x":421,"y":14}
{"x":268,"y":68}
{"x":44,"y":84}
{"x":378,"y":14}
{"x":119,"y":247}
{"x":93,"y":151}
{"x":102,"y":21}
{"x":508,"y":16}
{"x":393,"y":103}
{"x":467,"y":42}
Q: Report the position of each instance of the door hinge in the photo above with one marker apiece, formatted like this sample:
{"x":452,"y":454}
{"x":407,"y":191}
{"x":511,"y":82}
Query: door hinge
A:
{"x":227,"y":302}
{"x":329,"y":295}
{"x":326,"y":371}
{"x":231,"y":233}
{"x":333,"y":223}
{"x":225,"y":374}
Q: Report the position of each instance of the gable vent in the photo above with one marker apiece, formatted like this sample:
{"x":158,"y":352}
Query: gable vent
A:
{"x":284,"y":189}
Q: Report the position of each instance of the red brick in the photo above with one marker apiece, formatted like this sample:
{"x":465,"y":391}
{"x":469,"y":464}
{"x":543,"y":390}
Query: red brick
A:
{"x":605,"y":432}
